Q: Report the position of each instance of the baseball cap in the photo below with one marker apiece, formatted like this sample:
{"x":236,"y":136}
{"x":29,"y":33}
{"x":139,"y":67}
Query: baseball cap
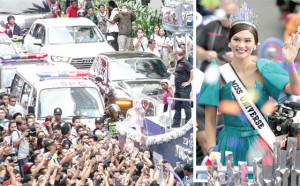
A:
{"x":164,"y":81}
{"x":99,"y":120}
{"x":188,"y":167}
{"x":48,"y":142}
{"x":57,"y":111}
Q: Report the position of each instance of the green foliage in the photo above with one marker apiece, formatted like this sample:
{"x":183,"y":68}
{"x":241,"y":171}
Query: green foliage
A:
{"x":146,"y":18}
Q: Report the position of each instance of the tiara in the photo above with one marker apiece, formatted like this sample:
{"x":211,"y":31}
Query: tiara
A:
{"x":244,"y":15}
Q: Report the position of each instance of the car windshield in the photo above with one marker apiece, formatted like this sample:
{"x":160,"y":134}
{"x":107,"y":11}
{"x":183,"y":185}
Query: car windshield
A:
{"x":7,"y":48}
{"x":132,"y":69}
{"x":10,"y":7}
{"x":74,"y":101}
{"x":74,"y":34}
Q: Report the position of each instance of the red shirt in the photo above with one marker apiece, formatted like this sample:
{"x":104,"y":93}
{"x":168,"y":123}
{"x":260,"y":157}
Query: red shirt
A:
{"x":71,"y":12}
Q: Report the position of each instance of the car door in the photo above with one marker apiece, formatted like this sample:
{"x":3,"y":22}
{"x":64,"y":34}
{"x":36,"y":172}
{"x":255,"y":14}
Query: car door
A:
{"x":37,"y":32}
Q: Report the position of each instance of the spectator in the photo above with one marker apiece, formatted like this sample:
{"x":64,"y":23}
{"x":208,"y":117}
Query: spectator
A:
{"x":73,"y":9}
{"x":57,"y":132}
{"x":14,"y":107}
{"x":183,"y":79}
{"x":178,"y":40}
{"x":112,"y":27}
{"x":90,"y":15}
{"x":168,"y":93}
{"x":64,"y":141}
{"x":7,"y":115}
{"x":5,"y":99}
{"x":124,"y":18}
{"x":151,"y":48}
{"x":141,"y":42}
{"x":155,"y":35}
{"x":12,"y":28}
{"x":101,"y":18}
{"x":19,"y":138}
{"x":188,"y":172}
{"x":3,"y":120}
{"x":162,"y":43}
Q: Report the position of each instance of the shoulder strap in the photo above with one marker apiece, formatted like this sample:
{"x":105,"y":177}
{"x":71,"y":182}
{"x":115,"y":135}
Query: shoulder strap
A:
{"x":249,"y":108}
{"x":142,"y":46}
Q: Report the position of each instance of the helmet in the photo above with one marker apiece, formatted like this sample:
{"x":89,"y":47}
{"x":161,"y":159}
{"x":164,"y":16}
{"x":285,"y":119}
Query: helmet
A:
{"x":81,"y":13}
{"x":112,"y":108}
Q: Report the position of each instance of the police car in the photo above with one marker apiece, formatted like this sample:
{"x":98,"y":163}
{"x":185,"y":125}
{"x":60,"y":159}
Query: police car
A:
{"x":49,"y":86}
{"x":6,"y":44}
{"x":10,"y":62}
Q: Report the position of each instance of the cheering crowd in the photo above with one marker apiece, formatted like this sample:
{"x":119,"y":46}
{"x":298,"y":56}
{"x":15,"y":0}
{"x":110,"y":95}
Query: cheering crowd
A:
{"x":57,"y":152}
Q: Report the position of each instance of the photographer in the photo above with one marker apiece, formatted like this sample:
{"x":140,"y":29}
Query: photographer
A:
{"x":19,"y":138}
{"x":124,"y":18}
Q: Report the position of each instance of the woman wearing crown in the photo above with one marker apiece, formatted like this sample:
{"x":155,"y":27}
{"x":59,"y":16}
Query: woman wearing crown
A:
{"x":242,"y":134}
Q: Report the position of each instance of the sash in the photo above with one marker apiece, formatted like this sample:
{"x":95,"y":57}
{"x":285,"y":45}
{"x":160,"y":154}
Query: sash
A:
{"x":249,"y":108}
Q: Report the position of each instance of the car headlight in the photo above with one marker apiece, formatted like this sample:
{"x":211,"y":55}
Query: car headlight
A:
{"x":149,"y":106}
{"x":60,"y":59}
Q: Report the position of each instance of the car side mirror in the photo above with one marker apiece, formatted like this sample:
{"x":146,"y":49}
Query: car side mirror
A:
{"x":38,"y":42}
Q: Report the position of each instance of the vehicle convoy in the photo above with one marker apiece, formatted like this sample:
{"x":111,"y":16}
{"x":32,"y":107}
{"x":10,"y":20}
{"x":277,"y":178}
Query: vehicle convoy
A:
{"x":70,"y":40}
{"x":126,"y":77}
{"x":25,"y":11}
{"x":49,"y":86}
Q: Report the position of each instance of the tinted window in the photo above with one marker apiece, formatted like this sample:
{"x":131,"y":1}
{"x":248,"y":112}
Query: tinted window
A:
{"x":25,"y":95}
{"x":24,"y":6}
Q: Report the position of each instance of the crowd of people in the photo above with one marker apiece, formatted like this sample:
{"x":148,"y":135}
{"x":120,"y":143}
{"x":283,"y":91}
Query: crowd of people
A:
{"x":58,"y":152}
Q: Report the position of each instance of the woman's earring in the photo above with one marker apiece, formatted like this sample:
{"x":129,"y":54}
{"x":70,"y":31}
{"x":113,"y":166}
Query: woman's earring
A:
{"x":255,"y":48}
{"x":229,"y":45}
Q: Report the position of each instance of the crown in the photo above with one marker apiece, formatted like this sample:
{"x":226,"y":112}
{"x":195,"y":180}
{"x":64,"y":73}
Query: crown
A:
{"x":244,"y":15}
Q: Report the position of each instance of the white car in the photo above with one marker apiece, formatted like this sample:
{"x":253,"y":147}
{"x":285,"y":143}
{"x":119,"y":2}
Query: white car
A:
{"x":72,"y":40}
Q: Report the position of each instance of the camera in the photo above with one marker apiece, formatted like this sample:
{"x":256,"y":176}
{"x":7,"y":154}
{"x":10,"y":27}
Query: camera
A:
{"x":31,"y":131}
{"x":281,"y":121}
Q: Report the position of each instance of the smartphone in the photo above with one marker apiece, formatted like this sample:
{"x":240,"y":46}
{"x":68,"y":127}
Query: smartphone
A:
{"x":165,"y":161}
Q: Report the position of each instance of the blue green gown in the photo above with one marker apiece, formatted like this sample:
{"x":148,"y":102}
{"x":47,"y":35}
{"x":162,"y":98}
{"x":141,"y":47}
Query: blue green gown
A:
{"x":237,"y":135}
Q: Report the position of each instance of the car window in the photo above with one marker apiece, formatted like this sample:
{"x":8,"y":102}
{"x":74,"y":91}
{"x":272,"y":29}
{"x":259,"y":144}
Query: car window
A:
{"x":25,"y":95}
{"x":17,"y":86}
{"x":36,"y":30}
{"x":32,"y":29}
{"x":41,"y":33}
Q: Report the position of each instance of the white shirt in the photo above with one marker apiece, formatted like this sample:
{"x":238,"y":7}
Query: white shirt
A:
{"x":180,"y":40}
{"x":154,"y":36}
{"x":144,"y":43}
{"x":16,"y":109}
{"x":155,"y":51}
{"x":162,"y":41}
{"x":112,"y":27}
